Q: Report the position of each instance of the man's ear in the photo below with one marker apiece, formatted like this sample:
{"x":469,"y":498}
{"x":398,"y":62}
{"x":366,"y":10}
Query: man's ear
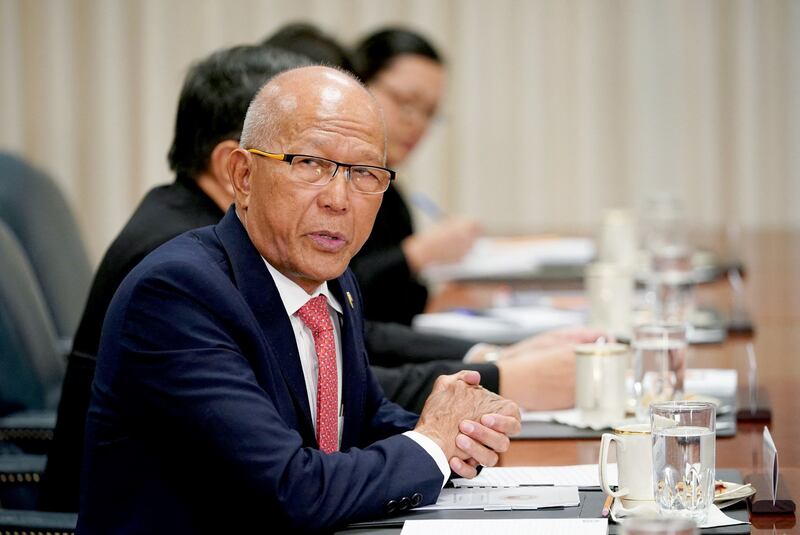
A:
{"x":240,"y":166}
{"x":219,"y":164}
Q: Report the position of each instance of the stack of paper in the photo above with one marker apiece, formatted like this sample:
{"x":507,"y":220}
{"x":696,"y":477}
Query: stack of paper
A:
{"x":712,"y":382}
{"x":574,"y":418}
{"x":498,"y":325}
{"x":514,"y":257}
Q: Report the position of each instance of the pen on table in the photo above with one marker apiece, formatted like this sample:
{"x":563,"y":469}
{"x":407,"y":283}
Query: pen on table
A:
{"x":427,"y":205}
{"x":607,"y":506}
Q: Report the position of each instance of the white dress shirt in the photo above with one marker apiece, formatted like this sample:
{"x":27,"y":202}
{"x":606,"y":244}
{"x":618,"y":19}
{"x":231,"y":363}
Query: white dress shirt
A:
{"x":293,"y":298}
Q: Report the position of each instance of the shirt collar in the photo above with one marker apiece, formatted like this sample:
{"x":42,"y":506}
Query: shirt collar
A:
{"x":294,"y":297}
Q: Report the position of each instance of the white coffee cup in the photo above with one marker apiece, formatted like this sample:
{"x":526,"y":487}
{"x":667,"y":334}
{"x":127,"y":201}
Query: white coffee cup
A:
{"x":600,"y":381}
{"x":634,"y":462}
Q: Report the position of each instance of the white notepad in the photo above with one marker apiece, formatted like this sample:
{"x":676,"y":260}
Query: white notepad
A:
{"x":519,"y":526}
{"x":581,"y":475}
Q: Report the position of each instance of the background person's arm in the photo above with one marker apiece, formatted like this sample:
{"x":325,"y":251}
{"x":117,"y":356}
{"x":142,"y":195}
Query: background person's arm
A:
{"x":393,"y":344}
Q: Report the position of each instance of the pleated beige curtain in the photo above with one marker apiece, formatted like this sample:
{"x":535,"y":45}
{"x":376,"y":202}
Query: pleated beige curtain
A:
{"x":555,"y":110}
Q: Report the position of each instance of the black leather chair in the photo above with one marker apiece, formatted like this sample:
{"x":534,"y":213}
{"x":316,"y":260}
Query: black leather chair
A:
{"x":31,"y":362}
{"x":29,"y":431}
{"x":30,"y":359}
{"x":15,"y":522}
{"x":31,"y":353}
{"x":19,"y":485}
{"x":36,"y":211}
{"x":19,"y":480}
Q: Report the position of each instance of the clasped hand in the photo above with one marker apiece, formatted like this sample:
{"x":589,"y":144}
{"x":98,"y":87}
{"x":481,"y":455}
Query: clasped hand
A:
{"x":471,"y":424}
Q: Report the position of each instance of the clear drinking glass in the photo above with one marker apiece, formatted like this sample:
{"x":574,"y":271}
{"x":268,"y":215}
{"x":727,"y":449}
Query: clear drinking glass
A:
{"x":659,"y":526}
{"x":662,"y":221}
{"x":659,"y":364}
{"x":671,"y":284}
{"x":669,"y":276}
{"x":683,"y":458}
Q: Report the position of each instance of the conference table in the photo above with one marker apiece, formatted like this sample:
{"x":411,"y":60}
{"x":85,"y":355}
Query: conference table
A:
{"x":772,"y":295}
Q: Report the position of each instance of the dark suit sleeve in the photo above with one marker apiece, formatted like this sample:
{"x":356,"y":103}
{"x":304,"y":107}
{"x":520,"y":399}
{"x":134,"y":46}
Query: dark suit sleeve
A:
{"x":193,"y":381}
{"x":60,"y":487}
{"x":392,"y":344}
{"x":391,"y":292}
{"x":410,"y":385}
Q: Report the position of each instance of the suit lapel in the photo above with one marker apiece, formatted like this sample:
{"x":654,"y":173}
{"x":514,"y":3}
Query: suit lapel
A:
{"x":353,"y":363}
{"x":258,"y":289}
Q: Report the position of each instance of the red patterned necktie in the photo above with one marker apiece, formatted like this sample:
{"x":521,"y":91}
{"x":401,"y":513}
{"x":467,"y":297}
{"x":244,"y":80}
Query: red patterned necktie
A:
{"x":316,"y":317}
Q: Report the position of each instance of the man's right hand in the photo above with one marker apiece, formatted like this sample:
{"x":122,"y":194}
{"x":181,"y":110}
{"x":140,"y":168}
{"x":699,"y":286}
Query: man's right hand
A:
{"x":543,"y":380}
{"x":467,"y":421}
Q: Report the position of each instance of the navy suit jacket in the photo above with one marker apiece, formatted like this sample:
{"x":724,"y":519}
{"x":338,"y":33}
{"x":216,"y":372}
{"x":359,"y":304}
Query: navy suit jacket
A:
{"x":199,"y":420}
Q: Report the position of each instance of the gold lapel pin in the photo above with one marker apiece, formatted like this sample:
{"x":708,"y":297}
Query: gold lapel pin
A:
{"x":350,"y":300}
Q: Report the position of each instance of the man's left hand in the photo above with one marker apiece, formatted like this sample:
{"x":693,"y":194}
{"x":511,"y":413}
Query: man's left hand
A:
{"x":481,"y":441}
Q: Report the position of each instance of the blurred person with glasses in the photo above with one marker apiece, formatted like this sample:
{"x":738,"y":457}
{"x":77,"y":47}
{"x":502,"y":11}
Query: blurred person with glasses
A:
{"x":406,"y":75}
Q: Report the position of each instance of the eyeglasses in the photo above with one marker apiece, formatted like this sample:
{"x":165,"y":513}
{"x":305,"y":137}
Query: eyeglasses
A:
{"x":318,"y":171}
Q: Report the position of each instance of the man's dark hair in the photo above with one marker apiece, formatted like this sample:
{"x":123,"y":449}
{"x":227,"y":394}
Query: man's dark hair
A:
{"x":214,"y":99}
{"x":310,"y":41}
{"x":377,"y":51}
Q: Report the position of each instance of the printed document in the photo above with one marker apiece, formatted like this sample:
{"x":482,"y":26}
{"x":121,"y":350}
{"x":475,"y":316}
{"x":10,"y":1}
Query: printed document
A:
{"x":581,"y":475}
{"x":505,"y":499}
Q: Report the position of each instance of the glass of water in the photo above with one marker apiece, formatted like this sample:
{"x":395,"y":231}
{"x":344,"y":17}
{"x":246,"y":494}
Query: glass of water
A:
{"x":683,"y":458}
{"x":671,"y":284}
{"x":659,"y":364}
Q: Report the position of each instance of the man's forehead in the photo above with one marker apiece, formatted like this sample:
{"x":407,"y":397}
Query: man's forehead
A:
{"x":330,"y":98}
{"x":327,"y":102}
{"x":320,"y":140}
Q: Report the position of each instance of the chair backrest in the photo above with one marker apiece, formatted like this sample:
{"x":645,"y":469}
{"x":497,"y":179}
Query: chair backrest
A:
{"x":32,"y":205}
{"x":31,"y":364}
